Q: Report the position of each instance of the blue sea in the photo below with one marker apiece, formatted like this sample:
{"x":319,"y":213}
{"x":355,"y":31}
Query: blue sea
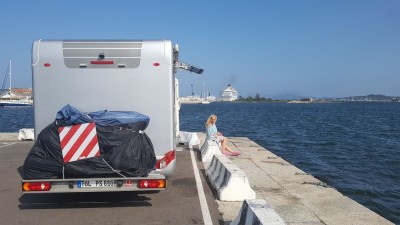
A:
{"x":14,"y":118}
{"x":353,"y":147}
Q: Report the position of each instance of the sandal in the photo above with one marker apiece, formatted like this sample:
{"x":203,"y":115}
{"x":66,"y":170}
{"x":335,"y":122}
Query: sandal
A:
{"x":226,"y":154}
{"x":237,"y":153}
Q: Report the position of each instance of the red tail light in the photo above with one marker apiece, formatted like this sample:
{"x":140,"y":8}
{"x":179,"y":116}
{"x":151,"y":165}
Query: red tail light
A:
{"x":102,"y":62}
{"x":164,"y":161}
{"x":36,"y":186}
{"x":159,"y":183}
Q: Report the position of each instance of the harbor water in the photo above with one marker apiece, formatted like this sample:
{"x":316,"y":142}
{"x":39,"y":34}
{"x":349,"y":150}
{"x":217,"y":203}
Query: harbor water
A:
{"x":353,"y":147}
{"x":14,"y":118}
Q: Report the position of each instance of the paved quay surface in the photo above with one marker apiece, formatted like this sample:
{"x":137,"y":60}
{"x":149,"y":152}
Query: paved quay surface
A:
{"x":297,"y":197}
{"x":178,"y":204}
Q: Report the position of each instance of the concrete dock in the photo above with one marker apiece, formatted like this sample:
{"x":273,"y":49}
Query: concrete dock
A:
{"x":178,"y":204}
{"x":8,"y":136}
{"x":296,"y":196}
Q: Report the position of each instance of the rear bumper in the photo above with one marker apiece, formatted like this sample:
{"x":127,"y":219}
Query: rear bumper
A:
{"x":115,"y":184}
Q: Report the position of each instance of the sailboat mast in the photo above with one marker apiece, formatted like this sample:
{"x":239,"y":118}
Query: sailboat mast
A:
{"x":204,"y":90}
{"x":9,"y":73}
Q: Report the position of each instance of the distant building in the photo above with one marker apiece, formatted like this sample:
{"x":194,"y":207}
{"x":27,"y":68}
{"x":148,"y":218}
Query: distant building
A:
{"x":16,"y":93}
{"x":229,"y":94}
{"x":22,"y":91}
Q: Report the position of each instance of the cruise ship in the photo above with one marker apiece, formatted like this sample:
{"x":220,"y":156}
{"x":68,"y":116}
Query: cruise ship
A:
{"x":229,"y":94}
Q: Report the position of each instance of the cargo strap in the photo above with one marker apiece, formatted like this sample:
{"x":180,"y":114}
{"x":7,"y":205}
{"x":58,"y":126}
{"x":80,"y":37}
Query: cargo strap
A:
{"x":116,"y":171}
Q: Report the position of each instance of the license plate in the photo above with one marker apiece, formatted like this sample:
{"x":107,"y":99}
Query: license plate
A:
{"x":95,"y":183}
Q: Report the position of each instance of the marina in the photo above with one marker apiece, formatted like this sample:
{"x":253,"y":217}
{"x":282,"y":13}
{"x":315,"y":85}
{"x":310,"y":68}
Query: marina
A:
{"x":227,"y":95}
{"x":9,"y":98}
{"x":196,"y":100}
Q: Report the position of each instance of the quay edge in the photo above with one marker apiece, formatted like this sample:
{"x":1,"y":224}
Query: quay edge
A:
{"x":297,"y":197}
{"x":8,"y":136}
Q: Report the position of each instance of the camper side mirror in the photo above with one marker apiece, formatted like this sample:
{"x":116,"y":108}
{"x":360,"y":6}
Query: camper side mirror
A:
{"x":188,"y":67}
{"x":195,"y":70}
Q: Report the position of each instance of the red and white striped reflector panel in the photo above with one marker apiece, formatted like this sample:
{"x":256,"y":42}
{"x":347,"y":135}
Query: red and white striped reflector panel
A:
{"x":79,"y":142}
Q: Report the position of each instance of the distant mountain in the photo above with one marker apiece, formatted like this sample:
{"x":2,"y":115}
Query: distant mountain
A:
{"x":371,"y":97}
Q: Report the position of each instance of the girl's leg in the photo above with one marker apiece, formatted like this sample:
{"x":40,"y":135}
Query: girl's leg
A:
{"x":224,"y":146}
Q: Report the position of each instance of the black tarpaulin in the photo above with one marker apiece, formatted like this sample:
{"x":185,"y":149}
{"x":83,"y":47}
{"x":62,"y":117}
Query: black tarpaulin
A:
{"x":128,"y":151}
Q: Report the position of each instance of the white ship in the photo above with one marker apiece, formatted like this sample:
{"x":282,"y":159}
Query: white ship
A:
{"x":229,"y":94}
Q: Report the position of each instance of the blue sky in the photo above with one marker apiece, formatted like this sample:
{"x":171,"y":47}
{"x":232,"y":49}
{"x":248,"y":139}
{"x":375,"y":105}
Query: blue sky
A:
{"x":313,"y":48}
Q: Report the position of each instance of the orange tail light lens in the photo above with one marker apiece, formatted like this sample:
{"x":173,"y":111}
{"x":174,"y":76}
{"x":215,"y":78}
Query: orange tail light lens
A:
{"x":36,"y":186}
{"x":147,"y":183}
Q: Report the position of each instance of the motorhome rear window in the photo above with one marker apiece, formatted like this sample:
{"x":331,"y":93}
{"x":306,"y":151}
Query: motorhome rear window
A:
{"x":101,"y":54}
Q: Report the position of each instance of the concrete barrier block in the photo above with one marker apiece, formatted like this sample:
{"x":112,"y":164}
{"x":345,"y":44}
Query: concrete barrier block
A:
{"x":26,"y":134}
{"x":257,"y":211}
{"x":189,"y":138}
{"x":229,"y":180}
{"x":208,"y":150}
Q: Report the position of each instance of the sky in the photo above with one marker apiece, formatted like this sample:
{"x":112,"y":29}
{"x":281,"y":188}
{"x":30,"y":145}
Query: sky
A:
{"x":315,"y":48}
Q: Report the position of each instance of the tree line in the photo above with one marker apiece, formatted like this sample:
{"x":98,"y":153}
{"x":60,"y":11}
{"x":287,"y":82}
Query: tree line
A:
{"x":256,"y":98}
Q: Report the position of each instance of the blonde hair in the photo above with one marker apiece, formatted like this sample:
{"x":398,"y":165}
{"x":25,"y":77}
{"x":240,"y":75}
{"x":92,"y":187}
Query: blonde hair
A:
{"x":212,"y":116}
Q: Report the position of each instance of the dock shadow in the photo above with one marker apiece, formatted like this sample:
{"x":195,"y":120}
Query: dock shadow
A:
{"x":20,"y":171}
{"x":210,"y":186}
{"x":195,"y":148}
{"x":198,"y":154}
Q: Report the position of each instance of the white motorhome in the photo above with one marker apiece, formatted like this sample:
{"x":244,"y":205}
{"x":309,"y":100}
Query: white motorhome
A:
{"x":114,"y":75}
